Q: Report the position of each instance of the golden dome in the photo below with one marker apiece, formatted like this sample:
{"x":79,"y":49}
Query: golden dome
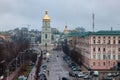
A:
{"x":66,"y":29}
{"x":46,"y":17}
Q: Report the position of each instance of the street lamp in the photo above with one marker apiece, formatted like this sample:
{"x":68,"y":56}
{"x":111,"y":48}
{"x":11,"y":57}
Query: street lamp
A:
{"x":16,"y":62}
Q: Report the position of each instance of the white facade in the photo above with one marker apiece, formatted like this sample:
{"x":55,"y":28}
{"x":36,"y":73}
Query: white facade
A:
{"x":46,"y":34}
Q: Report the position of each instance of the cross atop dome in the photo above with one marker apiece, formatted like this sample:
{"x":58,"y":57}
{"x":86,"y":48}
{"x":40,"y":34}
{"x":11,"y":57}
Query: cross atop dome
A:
{"x":46,"y":17}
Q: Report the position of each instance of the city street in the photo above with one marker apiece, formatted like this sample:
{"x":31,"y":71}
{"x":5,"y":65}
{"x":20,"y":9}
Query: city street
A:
{"x":57,"y":67}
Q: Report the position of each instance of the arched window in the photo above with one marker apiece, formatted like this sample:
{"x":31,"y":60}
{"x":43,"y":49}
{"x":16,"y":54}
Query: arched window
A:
{"x":45,"y":36}
{"x":45,"y":44}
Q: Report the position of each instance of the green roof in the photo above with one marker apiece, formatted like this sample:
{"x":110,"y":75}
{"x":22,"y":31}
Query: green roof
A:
{"x":75,"y":34}
{"x":56,"y":33}
{"x":106,"y":33}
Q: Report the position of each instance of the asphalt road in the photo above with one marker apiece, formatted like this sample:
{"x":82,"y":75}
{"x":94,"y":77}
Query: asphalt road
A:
{"x":58,"y":68}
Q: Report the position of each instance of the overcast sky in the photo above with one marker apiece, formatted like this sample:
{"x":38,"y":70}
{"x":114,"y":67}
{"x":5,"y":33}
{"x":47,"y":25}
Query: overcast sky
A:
{"x":74,"y":13}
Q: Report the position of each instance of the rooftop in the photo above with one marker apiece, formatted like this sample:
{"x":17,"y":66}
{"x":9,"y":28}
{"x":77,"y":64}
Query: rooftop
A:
{"x":94,"y":33}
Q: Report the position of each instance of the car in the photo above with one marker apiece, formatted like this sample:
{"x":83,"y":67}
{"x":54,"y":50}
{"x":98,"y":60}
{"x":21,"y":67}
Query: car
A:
{"x":95,"y":73}
{"x":109,"y":75}
{"x":65,"y":78}
{"x":114,"y":75}
{"x":44,"y":65}
{"x":106,"y":78}
{"x":72,"y":74}
{"x":80,"y":74}
{"x":42,"y":77}
{"x":87,"y":76}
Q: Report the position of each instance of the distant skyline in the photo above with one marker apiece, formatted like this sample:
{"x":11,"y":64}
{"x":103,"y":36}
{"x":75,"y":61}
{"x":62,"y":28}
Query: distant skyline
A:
{"x":74,"y":13}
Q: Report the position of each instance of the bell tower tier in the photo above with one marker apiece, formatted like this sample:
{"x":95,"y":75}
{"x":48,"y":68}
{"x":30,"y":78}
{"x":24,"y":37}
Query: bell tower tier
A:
{"x":46,"y":33}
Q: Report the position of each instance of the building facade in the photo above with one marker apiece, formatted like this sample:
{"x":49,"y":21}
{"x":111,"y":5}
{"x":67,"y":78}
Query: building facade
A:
{"x":46,"y":33}
{"x":99,"y":50}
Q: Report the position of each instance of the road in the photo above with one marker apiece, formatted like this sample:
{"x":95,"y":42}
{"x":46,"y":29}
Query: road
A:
{"x":58,"y":68}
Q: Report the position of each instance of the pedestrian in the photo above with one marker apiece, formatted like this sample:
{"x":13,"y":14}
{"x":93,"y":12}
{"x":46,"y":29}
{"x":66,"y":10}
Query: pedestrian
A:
{"x":48,"y":72}
{"x":31,"y":75}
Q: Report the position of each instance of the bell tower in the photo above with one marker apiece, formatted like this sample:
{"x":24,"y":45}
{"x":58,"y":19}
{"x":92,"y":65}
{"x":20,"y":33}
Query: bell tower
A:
{"x":46,"y":33}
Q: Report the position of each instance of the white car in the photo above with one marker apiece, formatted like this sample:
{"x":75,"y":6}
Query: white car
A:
{"x":80,"y":74}
{"x":109,"y":75}
{"x":96,"y":73}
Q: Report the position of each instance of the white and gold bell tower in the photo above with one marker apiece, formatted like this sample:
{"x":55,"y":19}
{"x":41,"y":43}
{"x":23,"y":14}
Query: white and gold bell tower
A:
{"x":46,"y":33}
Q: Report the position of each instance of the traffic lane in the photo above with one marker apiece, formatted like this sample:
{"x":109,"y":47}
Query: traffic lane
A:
{"x":55,"y":67}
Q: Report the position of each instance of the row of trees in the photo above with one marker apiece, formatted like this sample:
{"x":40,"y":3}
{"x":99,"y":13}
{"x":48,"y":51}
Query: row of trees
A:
{"x":10,"y":49}
{"x":75,"y":56}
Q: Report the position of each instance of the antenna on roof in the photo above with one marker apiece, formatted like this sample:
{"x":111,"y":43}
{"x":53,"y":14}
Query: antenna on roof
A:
{"x":111,"y":28}
{"x":93,"y":25}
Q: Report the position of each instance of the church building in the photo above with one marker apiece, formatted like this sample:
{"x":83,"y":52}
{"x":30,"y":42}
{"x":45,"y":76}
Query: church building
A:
{"x":46,"y":33}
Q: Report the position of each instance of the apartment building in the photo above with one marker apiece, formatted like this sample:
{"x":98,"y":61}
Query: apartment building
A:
{"x":99,"y":50}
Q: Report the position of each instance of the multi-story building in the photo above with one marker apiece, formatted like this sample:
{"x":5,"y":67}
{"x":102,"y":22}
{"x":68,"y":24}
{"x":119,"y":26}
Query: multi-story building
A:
{"x":98,"y":50}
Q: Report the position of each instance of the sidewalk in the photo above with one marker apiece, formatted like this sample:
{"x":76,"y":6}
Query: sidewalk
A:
{"x":13,"y":74}
{"x":32,"y":74}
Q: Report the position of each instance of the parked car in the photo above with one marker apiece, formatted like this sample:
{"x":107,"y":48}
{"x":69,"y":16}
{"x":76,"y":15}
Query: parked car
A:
{"x":109,"y":75}
{"x":72,"y":74}
{"x":107,"y":78}
{"x":80,"y":74}
{"x":42,"y":77}
{"x":95,"y":73}
{"x":65,"y":78}
{"x":87,"y":76}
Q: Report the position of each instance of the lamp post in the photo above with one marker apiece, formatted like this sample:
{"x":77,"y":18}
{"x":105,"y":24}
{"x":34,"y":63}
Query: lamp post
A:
{"x":16,"y":62}
{"x":8,"y":72}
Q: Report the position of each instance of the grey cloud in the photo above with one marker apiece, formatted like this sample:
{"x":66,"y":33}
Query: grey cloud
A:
{"x":74,"y":13}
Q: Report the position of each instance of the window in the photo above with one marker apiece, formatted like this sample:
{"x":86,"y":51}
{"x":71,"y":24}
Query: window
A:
{"x":94,"y":41}
{"x":93,"y":49}
{"x":104,"y":57}
{"x":45,"y":36}
{"x":109,"y":63}
{"x":104,"y":49}
{"x":113,"y":41}
{"x":93,"y":63}
{"x":118,"y":57}
{"x":99,"y":64}
{"x":109,"y":37}
{"x":118,"y":41}
{"x":114,"y":57}
{"x":109,"y":57}
{"x":45,"y":44}
{"x":99,"y":41}
{"x":114,"y":37}
{"x":98,"y":49}
{"x":108,"y":41}
{"x":119,"y":49}
{"x":94,"y":56}
{"x":113,"y":63}
{"x":94,"y":37}
{"x":99,"y":57}
{"x":103,"y":63}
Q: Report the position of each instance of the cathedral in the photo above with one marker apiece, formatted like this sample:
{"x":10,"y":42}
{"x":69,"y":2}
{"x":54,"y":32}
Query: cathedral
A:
{"x":46,"y":33}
